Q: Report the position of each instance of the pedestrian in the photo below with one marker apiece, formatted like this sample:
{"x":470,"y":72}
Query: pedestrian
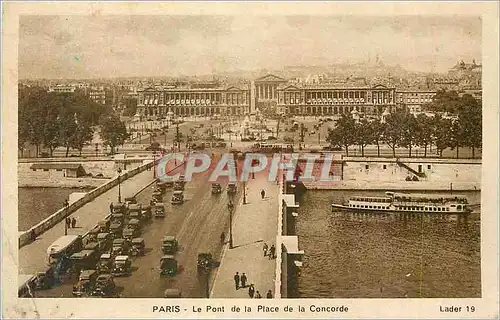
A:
{"x":237,"y":280}
{"x":243,"y":280}
{"x":222,"y":238}
{"x":272,"y":251}
{"x":262,"y":193}
{"x":251,"y":291}
{"x":257,"y":295}
{"x":264,"y":248}
{"x":269,"y":295}
{"x":111,"y":207}
{"x":73,"y":223}
{"x":68,"y":222}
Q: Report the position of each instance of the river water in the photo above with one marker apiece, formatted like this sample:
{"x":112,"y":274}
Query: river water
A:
{"x":363,"y":255}
{"x":36,"y":204}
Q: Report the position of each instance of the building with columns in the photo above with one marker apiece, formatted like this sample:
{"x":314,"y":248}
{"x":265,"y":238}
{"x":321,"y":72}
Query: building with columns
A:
{"x":333,"y":99}
{"x":413,"y":99}
{"x":266,"y":88}
{"x":193,"y":99}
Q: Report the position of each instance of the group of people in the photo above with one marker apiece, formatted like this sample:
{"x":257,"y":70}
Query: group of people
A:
{"x":241,"y":282}
{"x":70,"y":222}
{"x":269,"y":252}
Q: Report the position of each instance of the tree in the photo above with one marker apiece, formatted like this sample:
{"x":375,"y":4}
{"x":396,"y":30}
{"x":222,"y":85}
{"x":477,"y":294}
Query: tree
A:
{"x":82,"y":135}
{"x":472,"y":119}
{"x":377,"y":131}
{"x":441,"y":129}
{"x":423,"y":132}
{"x":343,"y":134}
{"x":393,"y":131}
{"x":113,"y":131}
{"x":458,"y":136}
{"x":408,"y":131}
{"x":364,"y":134}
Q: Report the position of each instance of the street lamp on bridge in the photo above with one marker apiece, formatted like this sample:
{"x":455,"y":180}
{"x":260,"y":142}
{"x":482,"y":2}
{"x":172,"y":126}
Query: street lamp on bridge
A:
{"x":230,"y":208}
{"x":119,"y":185}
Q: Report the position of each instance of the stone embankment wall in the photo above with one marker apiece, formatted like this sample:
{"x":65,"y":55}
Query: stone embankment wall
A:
{"x":28,"y":236}
{"x":107,"y":167}
{"x":387,"y":174}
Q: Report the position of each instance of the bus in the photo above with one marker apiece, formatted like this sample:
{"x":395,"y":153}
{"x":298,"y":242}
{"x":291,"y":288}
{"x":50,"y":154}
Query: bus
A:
{"x":26,"y":286}
{"x":64,"y":247}
{"x":272,"y":148}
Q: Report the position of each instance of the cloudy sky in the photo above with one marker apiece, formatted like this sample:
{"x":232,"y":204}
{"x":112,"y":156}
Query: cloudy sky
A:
{"x":88,"y":46}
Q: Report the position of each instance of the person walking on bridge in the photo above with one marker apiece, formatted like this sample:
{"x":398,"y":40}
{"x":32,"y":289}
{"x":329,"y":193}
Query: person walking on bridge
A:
{"x":262,"y":193}
{"x":237,"y":280}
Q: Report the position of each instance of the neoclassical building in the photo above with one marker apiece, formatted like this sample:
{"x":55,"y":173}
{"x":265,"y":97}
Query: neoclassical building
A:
{"x":333,"y":99}
{"x":193,"y":99}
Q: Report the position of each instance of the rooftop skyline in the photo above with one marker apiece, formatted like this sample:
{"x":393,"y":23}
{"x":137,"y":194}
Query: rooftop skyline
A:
{"x":128,"y":46}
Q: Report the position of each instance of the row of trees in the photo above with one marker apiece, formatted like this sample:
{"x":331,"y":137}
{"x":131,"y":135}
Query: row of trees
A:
{"x":405,"y":130}
{"x":63,"y":120}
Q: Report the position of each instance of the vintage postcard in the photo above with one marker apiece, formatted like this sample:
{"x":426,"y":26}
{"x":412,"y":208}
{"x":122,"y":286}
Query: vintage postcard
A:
{"x":250,"y":160}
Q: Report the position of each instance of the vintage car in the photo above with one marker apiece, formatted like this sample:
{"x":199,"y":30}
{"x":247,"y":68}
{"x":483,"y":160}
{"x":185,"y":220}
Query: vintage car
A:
{"x":159,"y":210}
{"x":85,"y":259}
{"x":170,"y":244}
{"x":105,"y":285}
{"x":122,"y":266}
{"x":177,"y":197}
{"x":105,"y":262}
{"x":92,"y":246}
{"x":205,"y":262}
{"x":157,"y":196}
{"x":173,"y":293}
{"x":120,"y":217}
{"x":164,"y":185}
{"x":116,"y":229}
{"x":146,"y":213}
{"x":130,"y":200}
{"x":216,"y":188}
{"x":135,"y":211}
{"x":179,"y":185}
{"x":92,"y":234}
{"x":138,"y":247}
{"x":120,"y":246}
{"x":231,"y":188}
{"x":159,"y":189}
{"x":103,"y":225}
{"x":105,"y":241}
{"x":168,"y":265}
{"x":86,"y":283}
{"x":129,"y":233}
{"x":44,"y":280}
{"x":118,"y":207}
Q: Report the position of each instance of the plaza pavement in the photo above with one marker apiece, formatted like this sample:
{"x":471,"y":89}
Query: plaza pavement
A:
{"x":253,"y":224}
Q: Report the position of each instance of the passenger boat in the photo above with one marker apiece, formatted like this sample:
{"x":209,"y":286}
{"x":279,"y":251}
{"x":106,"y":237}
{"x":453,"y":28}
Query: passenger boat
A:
{"x":406,"y":202}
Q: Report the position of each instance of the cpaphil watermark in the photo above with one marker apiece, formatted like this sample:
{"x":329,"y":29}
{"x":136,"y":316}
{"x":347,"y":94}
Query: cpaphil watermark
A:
{"x":232,"y":168}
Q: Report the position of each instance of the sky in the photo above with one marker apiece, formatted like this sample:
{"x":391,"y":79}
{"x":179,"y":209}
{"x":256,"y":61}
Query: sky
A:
{"x":125,"y":46}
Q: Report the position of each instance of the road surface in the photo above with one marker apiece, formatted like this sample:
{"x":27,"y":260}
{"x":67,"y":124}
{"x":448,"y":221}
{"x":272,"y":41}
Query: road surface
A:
{"x":197,"y":224}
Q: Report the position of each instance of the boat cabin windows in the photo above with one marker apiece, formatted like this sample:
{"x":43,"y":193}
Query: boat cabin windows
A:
{"x":385,"y":166}
{"x":429,"y":167}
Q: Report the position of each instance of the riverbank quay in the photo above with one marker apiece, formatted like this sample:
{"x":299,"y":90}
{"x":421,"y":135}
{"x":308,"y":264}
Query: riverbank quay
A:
{"x":254,"y":224}
{"x":394,"y":186}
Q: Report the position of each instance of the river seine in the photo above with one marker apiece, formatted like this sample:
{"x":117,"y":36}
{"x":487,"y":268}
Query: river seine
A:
{"x":354,"y":255}
{"x":36,"y":204}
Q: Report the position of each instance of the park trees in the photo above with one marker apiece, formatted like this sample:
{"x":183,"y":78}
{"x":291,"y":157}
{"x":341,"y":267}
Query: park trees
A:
{"x":113,"y":131}
{"x":344,"y":134}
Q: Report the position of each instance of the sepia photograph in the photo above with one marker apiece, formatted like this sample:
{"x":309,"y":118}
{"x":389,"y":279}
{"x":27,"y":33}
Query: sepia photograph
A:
{"x":214,"y":155}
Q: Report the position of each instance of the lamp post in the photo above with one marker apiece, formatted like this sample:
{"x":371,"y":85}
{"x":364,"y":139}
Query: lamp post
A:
{"x":230,"y":208}
{"x":245,"y":192}
{"x":154,"y":165}
{"x":66,"y":206}
{"x":119,"y":185}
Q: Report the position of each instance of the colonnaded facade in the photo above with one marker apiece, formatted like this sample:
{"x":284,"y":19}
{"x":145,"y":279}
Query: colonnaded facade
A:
{"x":193,"y":100}
{"x":329,"y":99}
{"x":207,"y":99}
